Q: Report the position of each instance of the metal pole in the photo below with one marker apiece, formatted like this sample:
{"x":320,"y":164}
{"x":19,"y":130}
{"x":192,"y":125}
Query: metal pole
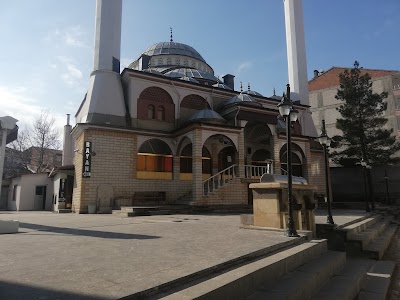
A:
{"x":329,"y":219}
{"x":367,"y":208}
{"x":291,"y":229}
{"x":387,"y":188}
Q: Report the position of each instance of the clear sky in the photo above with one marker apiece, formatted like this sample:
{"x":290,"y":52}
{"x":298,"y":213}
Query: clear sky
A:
{"x":46,"y":46}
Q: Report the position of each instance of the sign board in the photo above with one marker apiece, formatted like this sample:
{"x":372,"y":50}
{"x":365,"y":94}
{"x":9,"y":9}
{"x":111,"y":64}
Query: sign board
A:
{"x":87,"y":159}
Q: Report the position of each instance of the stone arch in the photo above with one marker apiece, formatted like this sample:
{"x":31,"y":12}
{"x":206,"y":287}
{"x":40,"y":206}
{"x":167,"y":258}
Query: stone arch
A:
{"x":186,"y":155}
{"x":298,"y":160}
{"x":257,"y":137}
{"x":156,"y":97}
{"x":155,"y":156}
{"x":190,"y":104}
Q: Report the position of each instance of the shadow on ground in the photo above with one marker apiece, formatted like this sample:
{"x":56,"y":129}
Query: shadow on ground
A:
{"x":85,"y":232}
{"x":17,"y":291}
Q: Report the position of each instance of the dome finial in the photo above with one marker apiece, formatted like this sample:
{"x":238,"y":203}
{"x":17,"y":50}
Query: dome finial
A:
{"x":241,"y":87}
{"x":248,"y":87}
{"x":171,"y":40}
{"x":274,"y":92}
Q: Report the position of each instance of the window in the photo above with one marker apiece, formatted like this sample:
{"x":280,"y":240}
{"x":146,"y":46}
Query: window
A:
{"x":154,"y":163}
{"x":150,"y":112}
{"x":161,"y":113}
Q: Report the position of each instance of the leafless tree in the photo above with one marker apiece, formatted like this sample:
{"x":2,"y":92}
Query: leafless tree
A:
{"x":38,"y":144}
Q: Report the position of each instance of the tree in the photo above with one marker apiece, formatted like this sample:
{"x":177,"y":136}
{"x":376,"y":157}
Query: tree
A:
{"x":362,"y":123}
{"x":38,"y":144}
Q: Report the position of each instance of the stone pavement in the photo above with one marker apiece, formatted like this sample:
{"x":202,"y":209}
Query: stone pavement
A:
{"x":70,"y":256}
{"x":393,"y":253}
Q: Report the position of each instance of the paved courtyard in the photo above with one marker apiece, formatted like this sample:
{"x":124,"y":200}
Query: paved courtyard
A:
{"x":70,"y":256}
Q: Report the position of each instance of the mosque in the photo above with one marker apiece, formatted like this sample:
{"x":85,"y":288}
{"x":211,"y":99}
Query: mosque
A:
{"x":167,"y":130}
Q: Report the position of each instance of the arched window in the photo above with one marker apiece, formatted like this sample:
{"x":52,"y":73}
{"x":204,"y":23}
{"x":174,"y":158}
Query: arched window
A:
{"x":186,"y":160}
{"x":150,"y":112}
{"x":161,"y":113}
{"x":297,"y":169}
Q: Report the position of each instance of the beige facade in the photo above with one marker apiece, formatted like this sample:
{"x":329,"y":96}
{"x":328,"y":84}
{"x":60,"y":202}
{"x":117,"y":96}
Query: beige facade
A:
{"x":323,"y":89}
{"x":183,"y":140}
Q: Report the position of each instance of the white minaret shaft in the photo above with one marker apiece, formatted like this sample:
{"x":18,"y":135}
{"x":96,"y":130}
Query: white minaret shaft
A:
{"x":104,"y":103}
{"x":297,"y":62}
{"x":296,"y":50}
{"x":107,"y":43}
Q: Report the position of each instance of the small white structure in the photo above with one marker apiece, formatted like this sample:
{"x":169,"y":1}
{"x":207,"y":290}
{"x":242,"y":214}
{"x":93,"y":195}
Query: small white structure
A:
{"x":8,"y":226}
{"x":8,"y":133}
{"x":30,"y":192}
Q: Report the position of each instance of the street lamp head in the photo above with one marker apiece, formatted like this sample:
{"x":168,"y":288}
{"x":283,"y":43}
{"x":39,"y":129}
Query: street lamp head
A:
{"x":328,"y":142}
{"x":293,"y":115}
{"x":285,"y":106}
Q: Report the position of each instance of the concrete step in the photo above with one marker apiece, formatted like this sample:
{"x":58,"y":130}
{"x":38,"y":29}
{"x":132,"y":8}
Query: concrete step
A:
{"x":239,"y":282}
{"x":377,"y":247}
{"x":346,"y":284}
{"x":305,"y":280}
{"x":352,"y":229}
{"x":377,"y":281}
{"x":64,"y":210}
{"x":372,"y":232}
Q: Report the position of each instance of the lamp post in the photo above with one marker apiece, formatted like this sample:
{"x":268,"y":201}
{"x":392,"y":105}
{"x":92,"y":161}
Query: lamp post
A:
{"x":286,"y":110}
{"x":364,"y":165}
{"x":387,"y":187}
{"x":325,"y":141}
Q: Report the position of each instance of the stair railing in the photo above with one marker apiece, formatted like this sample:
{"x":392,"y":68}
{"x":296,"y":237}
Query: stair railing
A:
{"x":255,"y":172}
{"x":218,"y":180}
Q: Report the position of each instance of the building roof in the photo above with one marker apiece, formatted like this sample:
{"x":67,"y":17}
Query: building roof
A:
{"x":172,"y":48}
{"x":330,"y":78}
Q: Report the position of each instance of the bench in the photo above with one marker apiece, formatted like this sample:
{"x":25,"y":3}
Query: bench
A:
{"x":148,"y":197}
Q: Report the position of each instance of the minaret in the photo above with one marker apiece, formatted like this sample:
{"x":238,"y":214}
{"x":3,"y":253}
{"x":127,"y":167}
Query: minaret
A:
{"x":297,"y":61}
{"x":104,"y":103}
{"x":68,"y":145}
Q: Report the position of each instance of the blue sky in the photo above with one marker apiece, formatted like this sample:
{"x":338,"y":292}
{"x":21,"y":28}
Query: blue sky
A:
{"x":47,"y":45}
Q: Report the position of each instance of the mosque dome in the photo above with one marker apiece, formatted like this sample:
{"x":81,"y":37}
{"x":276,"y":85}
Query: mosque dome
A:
{"x":241,"y":98}
{"x":173,"y":48}
{"x":208,"y":115}
{"x":175,"y":60}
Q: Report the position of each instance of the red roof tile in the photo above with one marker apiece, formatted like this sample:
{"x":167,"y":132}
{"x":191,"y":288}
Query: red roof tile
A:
{"x":331,"y":77}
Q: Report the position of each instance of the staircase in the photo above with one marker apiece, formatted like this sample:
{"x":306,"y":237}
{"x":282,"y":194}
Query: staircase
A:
{"x":308,"y":270}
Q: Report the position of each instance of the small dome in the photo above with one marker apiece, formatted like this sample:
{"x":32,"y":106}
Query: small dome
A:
{"x":241,"y":98}
{"x":207,"y":115}
{"x":222,"y":86}
{"x":190,"y":79}
{"x":250,"y":92}
{"x":254,"y":93}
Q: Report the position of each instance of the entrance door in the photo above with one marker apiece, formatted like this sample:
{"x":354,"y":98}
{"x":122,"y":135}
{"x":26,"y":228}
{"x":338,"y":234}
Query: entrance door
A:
{"x":69,"y":187}
{"x":40,"y":197}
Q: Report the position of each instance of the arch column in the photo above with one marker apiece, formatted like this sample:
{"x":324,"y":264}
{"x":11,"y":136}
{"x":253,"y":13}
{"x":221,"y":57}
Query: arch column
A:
{"x":197,"y":166}
{"x":307,"y":163}
{"x":275,"y":153}
{"x":240,"y":157}
{"x":176,"y":167}
{"x":214,"y":158}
